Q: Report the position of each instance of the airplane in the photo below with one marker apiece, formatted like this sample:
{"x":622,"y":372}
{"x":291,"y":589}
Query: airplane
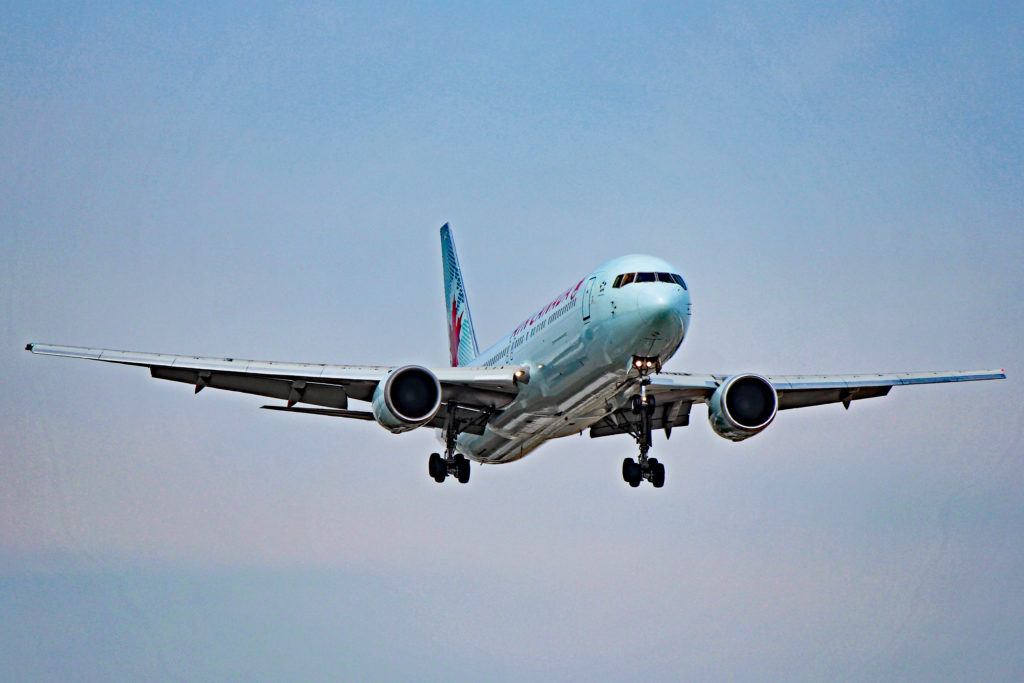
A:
{"x":591,"y":358}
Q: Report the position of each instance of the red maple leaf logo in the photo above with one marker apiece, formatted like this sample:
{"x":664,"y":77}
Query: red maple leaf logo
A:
{"x":454,"y":335}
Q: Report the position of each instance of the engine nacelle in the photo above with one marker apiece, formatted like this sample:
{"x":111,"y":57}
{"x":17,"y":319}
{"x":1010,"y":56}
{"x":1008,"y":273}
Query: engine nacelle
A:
{"x":408,"y":398}
{"x":742,"y":406}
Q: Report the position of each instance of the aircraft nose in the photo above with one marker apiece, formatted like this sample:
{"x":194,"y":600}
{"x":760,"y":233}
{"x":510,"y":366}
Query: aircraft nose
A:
{"x":665,"y":310}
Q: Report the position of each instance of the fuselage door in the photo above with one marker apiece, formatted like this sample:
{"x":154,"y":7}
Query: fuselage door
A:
{"x":586,"y":298}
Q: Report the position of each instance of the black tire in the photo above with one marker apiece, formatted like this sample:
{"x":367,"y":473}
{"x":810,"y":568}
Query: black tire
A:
{"x":631,"y":472}
{"x":650,"y":405}
{"x":462,"y":467}
{"x":657,"y":474}
{"x":437,"y":468}
{"x":636,"y":405}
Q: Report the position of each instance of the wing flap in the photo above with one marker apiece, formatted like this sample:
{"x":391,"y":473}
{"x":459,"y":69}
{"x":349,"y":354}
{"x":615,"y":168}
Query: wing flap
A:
{"x":666,"y":415}
{"x":331,"y":412}
{"x":293,"y":391}
{"x":802,"y":398}
{"x":475,"y":395}
{"x":472,"y":421}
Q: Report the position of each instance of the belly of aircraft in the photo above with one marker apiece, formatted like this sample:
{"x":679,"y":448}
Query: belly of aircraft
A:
{"x":535,"y":427}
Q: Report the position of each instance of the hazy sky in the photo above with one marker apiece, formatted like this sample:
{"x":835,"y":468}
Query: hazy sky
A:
{"x":842,"y":187}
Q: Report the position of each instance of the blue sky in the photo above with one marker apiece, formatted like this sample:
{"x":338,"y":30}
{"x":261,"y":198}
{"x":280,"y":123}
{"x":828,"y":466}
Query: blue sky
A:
{"x":841,"y":186}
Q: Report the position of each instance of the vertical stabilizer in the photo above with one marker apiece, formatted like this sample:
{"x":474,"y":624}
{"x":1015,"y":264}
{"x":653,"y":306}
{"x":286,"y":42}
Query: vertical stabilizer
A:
{"x":461,"y":337}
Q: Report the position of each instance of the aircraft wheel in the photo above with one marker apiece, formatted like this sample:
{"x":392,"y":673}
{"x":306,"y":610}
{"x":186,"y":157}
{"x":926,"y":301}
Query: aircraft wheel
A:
{"x":462,"y":468}
{"x":631,"y":472}
{"x":657,"y":473}
{"x":437,"y":468}
{"x":637,"y":405}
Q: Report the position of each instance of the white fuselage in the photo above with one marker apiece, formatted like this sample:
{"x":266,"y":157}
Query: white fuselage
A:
{"x":579,"y":350}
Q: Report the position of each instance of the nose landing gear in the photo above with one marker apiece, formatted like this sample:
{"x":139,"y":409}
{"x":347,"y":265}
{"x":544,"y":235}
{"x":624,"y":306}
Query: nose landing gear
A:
{"x":642,"y":405}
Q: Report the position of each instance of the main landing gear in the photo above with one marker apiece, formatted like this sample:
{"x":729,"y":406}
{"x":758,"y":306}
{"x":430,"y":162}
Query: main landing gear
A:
{"x":440,"y":468}
{"x":635,"y":471}
{"x":455,"y":464}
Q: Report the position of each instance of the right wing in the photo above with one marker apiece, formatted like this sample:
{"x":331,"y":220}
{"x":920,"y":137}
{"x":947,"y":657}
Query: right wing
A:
{"x":478,"y":391}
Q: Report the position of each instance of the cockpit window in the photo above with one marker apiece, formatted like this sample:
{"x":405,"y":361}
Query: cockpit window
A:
{"x":627,"y":278}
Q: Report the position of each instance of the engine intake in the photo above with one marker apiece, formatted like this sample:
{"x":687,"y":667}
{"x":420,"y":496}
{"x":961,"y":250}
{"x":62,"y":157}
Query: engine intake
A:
{"x":408,"y":398}
{"x":742,"y":406}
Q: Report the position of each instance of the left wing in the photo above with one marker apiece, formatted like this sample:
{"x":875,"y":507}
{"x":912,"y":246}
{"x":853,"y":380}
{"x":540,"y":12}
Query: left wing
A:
{"x":676,"y":392}
{"x":798,"y":391}
{"x":480,"y":390}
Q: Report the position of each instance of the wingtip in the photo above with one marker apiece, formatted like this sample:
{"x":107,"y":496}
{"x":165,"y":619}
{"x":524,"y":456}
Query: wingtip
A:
{"x":28,"y":347}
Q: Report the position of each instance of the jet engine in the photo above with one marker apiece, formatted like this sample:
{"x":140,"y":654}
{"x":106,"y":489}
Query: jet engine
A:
{"x":407,"y":398}
{"x":742,"y":406}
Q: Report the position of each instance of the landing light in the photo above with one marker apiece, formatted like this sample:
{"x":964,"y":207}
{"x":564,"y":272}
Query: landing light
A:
{"x":646,"y":364}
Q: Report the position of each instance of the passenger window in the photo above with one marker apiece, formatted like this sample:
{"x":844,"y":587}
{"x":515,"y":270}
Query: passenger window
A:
{"x":645,"y":277}
{"x":679,"y":280}
{"x":665,"y":277}
{"x":618,"y":279}
{"x":627,"y":278}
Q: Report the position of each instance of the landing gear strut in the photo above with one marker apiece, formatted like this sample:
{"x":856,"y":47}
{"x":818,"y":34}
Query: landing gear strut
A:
{"x":642,"y":405}
{"x":455,"y":464}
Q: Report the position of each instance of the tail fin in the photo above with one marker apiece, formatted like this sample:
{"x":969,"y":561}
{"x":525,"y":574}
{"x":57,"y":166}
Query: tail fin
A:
{"x":461,"y":337}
